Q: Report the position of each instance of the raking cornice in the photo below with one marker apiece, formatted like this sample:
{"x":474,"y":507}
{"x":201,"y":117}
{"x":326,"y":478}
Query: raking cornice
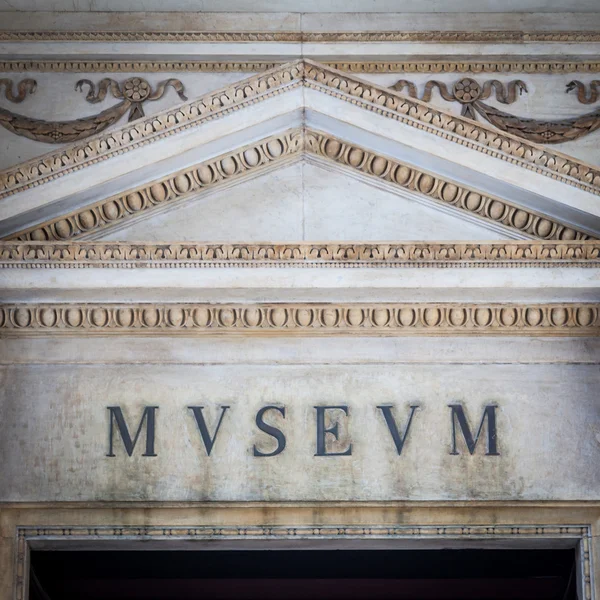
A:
{"x":371,"y":97}
{"x":74,"y":255}
{"x":255,"y":158}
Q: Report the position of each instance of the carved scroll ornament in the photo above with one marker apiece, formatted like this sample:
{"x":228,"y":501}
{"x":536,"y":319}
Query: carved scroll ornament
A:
{"x":369,"y":97}
{"x":133,"y":93}
{"x":471,"y":94}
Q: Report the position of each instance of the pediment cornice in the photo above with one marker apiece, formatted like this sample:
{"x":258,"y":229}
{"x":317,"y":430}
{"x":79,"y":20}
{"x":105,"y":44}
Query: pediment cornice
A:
{"x":368,"y":96}
{"x":160,"y":194}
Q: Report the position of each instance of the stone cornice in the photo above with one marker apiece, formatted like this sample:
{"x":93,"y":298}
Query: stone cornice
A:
{"x":56,"y":255}
{"x":256,"y":158}
{"x":444,"y":65}
{"x":381,"y":100}
{"x":302,"y":319}
{"x":441,"y":37}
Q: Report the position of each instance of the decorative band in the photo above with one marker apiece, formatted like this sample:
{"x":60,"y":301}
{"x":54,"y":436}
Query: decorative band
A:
{"x":305,"y":319}
{"x":442,"y":37}
{"x":248,"y":254}
{"x":232,"y":66}
{"x":256,"y":157}
{"x":510,"y":531}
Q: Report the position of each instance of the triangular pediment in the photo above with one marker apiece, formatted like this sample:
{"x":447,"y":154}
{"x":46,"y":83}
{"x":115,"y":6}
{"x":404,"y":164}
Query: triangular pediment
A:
{"x":301,"y":152}
{"x":304,"y":201}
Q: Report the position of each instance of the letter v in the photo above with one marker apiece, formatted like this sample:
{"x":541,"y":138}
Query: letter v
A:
{"x":208,"y":441}
{"x":391,"y":423}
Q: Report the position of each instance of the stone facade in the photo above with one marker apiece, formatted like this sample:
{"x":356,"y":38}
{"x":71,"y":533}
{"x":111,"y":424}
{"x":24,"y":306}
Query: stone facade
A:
{"x":300,"y":301}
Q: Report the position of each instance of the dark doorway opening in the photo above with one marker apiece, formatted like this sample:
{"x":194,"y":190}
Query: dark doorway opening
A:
{"x":297,"y":574}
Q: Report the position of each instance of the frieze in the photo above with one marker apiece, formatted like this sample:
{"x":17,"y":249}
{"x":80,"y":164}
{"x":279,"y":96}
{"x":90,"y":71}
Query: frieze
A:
{"x":44,"y":255}
{"x":255,"y":158}
{"x":303,"y":319}
{"x":381,"y":100}
{"x":148,"y":130}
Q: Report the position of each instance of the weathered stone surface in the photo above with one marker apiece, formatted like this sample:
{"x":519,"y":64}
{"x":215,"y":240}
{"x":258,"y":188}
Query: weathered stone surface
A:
{"x":56,"y":438}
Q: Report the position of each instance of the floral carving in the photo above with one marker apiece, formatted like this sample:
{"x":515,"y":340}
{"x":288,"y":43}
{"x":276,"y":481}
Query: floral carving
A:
{"x":467,"y":90}
{"x":389,"y":104}
{"x":133,"y":93}
{"x":470,"y":94}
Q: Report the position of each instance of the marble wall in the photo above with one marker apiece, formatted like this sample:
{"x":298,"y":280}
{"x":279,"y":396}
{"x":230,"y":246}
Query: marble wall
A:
{"x":547,"y":447}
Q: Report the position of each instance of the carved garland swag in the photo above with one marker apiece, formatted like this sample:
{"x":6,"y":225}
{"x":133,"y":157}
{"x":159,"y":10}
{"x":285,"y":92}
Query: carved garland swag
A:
{"x":133,"y":93}
{"x":469,"y":93}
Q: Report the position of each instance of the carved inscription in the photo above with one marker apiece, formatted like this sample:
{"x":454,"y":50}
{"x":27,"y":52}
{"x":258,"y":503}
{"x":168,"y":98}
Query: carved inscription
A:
{"x":332,"y":430}
{"x":148,"y":418}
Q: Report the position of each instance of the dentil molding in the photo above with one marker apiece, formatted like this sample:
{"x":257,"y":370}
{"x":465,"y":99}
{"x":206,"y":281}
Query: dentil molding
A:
{"x":442,"y":37}
{"x":302,"y":319}
{"x":257,"y":157}
{"x":371,"y":97}
{"x":69,"y":255}
{"x":519,"y":65}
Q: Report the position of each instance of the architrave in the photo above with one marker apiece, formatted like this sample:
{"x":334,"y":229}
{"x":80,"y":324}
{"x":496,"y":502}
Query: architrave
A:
{"x":580,"y":536}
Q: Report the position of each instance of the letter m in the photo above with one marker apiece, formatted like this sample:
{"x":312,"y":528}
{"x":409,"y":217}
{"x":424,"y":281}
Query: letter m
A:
{"x":458,"y":416}
{"x":116,"y":416}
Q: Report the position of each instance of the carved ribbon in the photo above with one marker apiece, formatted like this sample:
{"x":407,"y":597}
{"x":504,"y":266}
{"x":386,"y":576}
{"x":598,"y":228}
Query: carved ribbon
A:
{"x":471,"y":94}
{"x":466,"y":90}
{"x":24,"y":87}
{"x":584,"y":96}
{"x":133,"y":91}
